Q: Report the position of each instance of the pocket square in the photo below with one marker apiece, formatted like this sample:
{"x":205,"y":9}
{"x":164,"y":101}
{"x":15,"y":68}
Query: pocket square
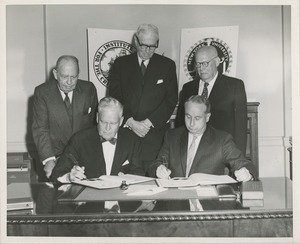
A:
{"x":125,"y":163}
{"x":159,"y":81}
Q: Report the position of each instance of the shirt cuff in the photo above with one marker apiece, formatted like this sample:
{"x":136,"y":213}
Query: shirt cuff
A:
{"x":126,"y":125}
{"x":65,"y":178}
{"x":48,"y":159}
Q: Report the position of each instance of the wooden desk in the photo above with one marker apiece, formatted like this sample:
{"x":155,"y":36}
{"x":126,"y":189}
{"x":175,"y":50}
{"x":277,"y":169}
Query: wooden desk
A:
{"x":219,"y":218}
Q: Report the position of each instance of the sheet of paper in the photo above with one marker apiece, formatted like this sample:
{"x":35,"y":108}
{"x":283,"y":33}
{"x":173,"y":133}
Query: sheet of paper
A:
{"x":196,"y":179}
{"x":113,"y":181}
{"x":143,"y":190}
{"x":129,"y":178}
{"x":174,"y":183}
{"x":210,"y":179}
{"x":99,"y":184}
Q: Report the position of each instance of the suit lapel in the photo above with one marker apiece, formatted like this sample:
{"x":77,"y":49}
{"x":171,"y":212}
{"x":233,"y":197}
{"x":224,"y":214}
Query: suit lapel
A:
{"x":120,"y":149}
{"x":78,"y":104}
{"x":195,"y":87}
{"x":59,"y":111}
{"x":204,"y":143}
{"x":183,"y":150}
{"x":218,"y":89}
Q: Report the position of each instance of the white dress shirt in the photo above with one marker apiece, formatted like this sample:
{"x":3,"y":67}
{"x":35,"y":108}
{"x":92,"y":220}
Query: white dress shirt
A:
{"x":108,"y":153}
{"x":197,"y":141}
{"x":209,"y":87}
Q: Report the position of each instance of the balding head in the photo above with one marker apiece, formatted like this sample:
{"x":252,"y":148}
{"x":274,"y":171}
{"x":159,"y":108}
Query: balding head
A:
{"x":207,"y":62}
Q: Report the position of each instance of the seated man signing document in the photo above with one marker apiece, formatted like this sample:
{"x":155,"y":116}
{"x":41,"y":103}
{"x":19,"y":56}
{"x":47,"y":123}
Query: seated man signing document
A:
{"x":200,"y":148}
{"x":102,"y":150}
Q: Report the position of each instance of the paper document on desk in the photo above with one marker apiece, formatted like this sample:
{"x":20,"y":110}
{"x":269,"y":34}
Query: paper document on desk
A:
{"x":196,"y":179}
{"x":112,"y":181}
{"x":143,"y":190}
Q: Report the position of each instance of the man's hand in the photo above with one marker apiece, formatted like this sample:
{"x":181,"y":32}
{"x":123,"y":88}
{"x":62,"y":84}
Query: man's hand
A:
{"x":163,"y":172}
{"x":48,"y":167}
{"x":141,"y":128}
{"x":243,"y":174}
{"x":77,"y":173}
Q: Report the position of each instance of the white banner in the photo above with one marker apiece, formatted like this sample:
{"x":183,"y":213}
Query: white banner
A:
{"x":225,"y":39}
{"x":104,"y":47}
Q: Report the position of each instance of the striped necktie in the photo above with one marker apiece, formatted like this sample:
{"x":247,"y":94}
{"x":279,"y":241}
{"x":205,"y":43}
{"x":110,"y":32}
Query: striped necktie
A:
{"x":205,"y":91}
{"x":190,"y":156}
{"x":67,"y":101}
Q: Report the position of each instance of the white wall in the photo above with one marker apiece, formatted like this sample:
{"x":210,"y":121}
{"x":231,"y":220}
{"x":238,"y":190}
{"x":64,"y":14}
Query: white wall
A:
{"x":25,"y":69}
{"x":262,"y":56}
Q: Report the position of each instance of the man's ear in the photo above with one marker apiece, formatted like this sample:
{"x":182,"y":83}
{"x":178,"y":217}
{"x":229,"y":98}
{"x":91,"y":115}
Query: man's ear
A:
{"x":97,"y":117}
{"x":121,"y":120}
{"x":54,"y":71}
{"x":207,"y":117}
{"x":217,"y":61}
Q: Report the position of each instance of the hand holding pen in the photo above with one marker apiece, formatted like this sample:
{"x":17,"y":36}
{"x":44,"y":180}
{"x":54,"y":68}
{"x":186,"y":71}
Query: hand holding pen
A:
{"x":162,"y":171}
{"x":77,"y":172}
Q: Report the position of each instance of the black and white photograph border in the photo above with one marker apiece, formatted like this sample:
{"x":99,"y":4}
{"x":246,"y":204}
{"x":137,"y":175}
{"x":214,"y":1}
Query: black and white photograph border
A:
{"x":287,"y":129}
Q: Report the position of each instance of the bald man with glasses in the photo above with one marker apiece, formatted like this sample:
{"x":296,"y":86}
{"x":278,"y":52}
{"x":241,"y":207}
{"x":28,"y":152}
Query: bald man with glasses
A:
{"x":146,"y":83}
{"x":227,"y":96}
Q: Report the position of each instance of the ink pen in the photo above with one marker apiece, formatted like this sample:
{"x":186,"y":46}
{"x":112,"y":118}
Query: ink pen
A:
{"x":165,"y":163}
{"x":74,"y":161}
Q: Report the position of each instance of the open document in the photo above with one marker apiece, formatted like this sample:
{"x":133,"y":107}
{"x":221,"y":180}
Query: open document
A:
{"x":112,"y":181}
{"x":196,"y":179}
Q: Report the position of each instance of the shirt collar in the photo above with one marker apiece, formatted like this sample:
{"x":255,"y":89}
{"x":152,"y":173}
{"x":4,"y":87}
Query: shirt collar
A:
{"x":146,"y":62}
{"x":212,"y":82}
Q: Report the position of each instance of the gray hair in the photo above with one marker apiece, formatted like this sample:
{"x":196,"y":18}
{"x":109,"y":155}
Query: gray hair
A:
{"x":110,"y":102}
{"x":147,"y":28}
{"x":66,"y":58}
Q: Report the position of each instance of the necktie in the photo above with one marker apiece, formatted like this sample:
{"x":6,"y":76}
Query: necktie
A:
{"x":67,"y":101}
{"x":143,"y":67}
{"x":205,"y":91}
{"x":190,"y":155}
{"x":112,"y":141}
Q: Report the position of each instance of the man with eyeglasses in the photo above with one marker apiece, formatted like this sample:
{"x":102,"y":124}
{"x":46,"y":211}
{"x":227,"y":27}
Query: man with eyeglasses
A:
{"x":146,"y":84}
{"x":227,"y":96}
{"x":61,"y":107}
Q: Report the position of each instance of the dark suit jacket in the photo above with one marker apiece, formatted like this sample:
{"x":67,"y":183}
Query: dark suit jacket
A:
{"x":216,"y":151}
{"x":228,"y":107}
{"x":86,"y":147}
{"x":153,"y":96}
{"x":51,"y":125}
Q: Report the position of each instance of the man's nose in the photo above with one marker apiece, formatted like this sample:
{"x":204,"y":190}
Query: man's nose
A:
{"x":191,"y":122}
{"x":108,"y":126}
{"x":69,"y":80}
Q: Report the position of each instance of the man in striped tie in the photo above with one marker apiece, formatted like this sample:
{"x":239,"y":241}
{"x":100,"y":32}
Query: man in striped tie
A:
{"x":61,"y":107}
{"x":200,"y":148}
{"x":226,"y":94}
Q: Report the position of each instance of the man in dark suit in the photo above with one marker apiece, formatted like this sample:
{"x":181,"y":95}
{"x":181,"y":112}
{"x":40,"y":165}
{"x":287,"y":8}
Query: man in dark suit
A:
{"x":146,"y":84}
{"x":200,"y":148}
{"x":101,"y":150}
{"x":226,"y":94}
{"x":61,"y":107}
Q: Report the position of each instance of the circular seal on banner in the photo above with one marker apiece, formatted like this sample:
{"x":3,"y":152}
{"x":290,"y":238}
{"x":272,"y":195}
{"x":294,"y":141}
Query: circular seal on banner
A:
{"x":105,"y":57}
{"x":224,"y":53}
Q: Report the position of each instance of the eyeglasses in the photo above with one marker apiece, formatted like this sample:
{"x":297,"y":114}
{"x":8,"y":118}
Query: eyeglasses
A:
{"x":204,"y":64}
{"x":145,"y":47}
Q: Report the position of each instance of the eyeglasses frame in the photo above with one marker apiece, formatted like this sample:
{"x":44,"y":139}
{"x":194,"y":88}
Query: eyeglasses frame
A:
{"x":144,"y":46}
{"x":204,"y":64}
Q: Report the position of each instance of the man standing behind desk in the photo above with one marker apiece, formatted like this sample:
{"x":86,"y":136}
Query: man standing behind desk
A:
{"x":226,"y":94}
{"x":200,"y":148}
{"x":102,"y":150}
{"x":61,"y":107}
{"x":146,"y":84}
